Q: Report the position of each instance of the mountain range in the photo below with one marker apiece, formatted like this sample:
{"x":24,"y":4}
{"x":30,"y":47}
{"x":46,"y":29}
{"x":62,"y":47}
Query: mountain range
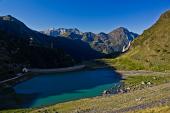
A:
{"x":15,"y":27}
{"x":116,"y":41}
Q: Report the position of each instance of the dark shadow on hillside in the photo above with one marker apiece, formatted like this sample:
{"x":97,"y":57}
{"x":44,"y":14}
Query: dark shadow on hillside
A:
{"x":78,"y":49}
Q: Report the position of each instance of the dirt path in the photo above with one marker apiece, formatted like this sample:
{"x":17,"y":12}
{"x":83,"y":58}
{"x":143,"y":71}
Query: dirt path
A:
{"x":66,"y":69}
{"x":57,"y":70}
{"x":142,"y":72}
{"x":8,"y":80}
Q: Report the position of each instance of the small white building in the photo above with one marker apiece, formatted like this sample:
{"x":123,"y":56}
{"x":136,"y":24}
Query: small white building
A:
{"x":25,"y":70}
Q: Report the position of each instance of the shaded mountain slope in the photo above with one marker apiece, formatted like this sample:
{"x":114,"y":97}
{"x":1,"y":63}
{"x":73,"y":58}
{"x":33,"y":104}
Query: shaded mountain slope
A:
{"x":17,"y":53}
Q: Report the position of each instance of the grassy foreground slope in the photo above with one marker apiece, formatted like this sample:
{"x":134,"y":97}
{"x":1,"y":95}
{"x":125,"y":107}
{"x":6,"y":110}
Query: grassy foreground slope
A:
{"x":150,"y":51}
{"x":160,"y":109}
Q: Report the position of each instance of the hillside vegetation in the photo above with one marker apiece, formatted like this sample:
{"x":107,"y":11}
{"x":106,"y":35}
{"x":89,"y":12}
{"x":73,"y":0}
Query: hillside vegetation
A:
{"x":150,"y":51}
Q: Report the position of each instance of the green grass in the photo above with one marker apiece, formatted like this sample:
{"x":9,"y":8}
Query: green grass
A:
{"x":123,"y":64}
{"x":143,"y":81}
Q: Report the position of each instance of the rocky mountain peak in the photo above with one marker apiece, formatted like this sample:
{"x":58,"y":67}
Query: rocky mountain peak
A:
{"x":61,"y":32}
{"x":122,"y":29}
{"x":119,"y":31}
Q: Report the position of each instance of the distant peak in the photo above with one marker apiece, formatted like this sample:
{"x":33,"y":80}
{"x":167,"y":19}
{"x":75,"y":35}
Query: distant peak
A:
{"x":119,"y":30}
{"x":122,"y":28}
{"x":76,"y":29}
{"x":51,"y":29}
{"x":8,"y":16}
{"x":102,"y":33}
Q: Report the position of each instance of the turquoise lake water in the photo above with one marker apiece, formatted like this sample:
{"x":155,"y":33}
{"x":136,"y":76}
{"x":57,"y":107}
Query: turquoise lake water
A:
{"x":51,"y":89}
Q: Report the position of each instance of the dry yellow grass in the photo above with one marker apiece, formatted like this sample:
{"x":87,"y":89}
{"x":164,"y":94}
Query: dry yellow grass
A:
{"x":160,"y":109}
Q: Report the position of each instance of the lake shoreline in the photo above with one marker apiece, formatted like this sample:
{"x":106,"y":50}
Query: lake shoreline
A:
{"x":57,"y":70}
{"x":120,"y":72}
{"x":83,"y":67}
{"x":37,"y":71}
{"x":78,"y":83}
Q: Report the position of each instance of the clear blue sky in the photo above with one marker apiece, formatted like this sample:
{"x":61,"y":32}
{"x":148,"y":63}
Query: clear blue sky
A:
{"x":86,"y":15}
